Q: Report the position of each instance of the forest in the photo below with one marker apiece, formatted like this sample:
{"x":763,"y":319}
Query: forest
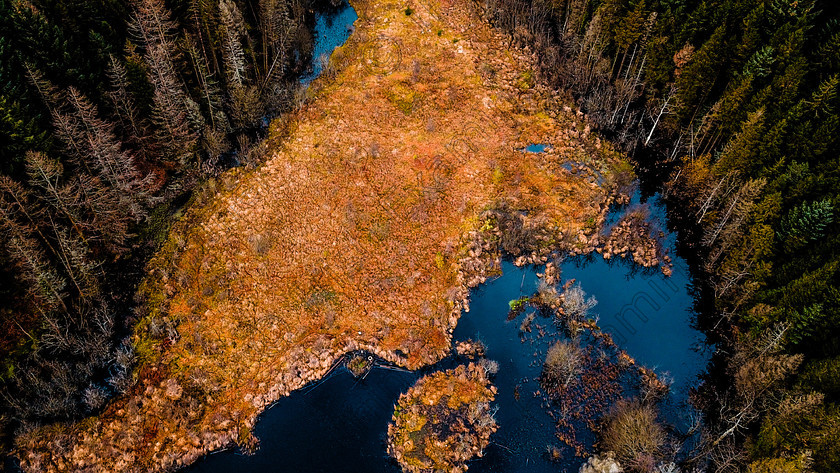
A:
{"x":114,"y":115}
{"x":733,"y":105}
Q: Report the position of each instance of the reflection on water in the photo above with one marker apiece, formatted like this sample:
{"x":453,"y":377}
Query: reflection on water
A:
{"x":340,"y":424}
{"x":331,"y":31}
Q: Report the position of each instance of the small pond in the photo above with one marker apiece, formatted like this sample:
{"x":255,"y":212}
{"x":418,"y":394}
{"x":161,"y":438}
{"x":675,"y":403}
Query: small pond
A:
{"x":536,"y":148}
{"x":331,"y":31}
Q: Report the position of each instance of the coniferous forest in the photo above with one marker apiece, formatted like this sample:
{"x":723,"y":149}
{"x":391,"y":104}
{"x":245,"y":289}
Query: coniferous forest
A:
{"x":115,"y":116}
{"x":735,"y":105}
{"x":112,"y":114}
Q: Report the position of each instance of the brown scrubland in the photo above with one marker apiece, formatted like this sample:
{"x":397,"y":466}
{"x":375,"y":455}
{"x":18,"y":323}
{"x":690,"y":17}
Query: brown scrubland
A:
{"x":383,"y":199}
{"x":443,"y":421}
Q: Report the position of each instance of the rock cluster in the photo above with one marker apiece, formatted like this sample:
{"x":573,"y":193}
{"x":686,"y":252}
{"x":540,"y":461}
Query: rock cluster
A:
{"x":633,"y":237}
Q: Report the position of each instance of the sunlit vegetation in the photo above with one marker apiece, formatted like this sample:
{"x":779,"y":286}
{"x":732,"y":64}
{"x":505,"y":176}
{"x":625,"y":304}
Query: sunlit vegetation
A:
{"x":364,"y":230}
{"x":634,"y":435}
{"x":562,"y":363}
{"x":443,"y":421}
{"x":734,"y":104}
{"x":379,"y":195}
{"x":602,"y":464}
{"x":359,"y":364}
{"x":634,"y":236}
{"x":112,"y":116}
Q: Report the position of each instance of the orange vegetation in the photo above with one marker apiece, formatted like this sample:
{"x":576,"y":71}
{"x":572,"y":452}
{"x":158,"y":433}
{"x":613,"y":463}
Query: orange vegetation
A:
{"x":634,"y":236}
{"x":350,"y":236}
{"x":443,"y":421}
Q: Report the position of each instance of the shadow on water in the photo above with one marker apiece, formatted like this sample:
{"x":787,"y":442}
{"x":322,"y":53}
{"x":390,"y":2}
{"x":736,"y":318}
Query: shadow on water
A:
{"x":340,"y":424}
{"x":649,"y":315}
{"x":331,"y":31}
{"x":337,"y":425}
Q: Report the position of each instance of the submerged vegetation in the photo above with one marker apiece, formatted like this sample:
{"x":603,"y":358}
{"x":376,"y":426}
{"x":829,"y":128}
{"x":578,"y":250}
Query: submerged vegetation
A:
{"x":359,"y":219}
{"x":443,"y":421}
{"x":594,"y":390}
{"x":386,"y":195}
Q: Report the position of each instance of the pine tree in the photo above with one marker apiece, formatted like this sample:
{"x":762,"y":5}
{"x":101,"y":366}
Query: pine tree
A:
{"x":154,"y":27}
{"x":212,"y":97}
{"x":233,"y":27}
{"x":278,"y":31}
{"x":740,"y":151}
{"x":18,"y":133}
{"x":806,"y":223}
{"x":698,"y":77}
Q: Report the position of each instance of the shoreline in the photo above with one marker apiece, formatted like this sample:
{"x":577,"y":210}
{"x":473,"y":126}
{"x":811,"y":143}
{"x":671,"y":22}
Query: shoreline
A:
{"x":218,"y":350}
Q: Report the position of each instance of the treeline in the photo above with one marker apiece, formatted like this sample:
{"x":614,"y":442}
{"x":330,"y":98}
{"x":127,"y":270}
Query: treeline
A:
{"x":739,"y":98}
{"x":111,"y":113}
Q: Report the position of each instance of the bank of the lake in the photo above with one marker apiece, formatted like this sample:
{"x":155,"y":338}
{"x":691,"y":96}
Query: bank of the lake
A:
{"x":365,"y":229}
{"x":338,"y":424}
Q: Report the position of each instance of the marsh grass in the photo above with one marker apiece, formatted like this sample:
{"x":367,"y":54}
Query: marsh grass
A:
{"x":246,"y":321}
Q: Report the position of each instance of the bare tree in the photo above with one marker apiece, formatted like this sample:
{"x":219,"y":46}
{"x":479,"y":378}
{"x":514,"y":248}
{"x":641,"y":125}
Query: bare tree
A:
{"x":44,"y":284}
{"x":633,"y":433}
{"x":562,"y":363}
{"x":173,"y":109}
{"x":135,"y":128}
{"x":113,"y":164}
{"x":575,"y":304}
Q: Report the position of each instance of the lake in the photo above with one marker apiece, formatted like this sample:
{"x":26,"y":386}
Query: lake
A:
{"x":339,"y":424}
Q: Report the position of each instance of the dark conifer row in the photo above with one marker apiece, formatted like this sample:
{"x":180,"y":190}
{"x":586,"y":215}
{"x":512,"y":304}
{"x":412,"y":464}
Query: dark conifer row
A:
{"x":110,"y":113}
{"x":740,"y":99}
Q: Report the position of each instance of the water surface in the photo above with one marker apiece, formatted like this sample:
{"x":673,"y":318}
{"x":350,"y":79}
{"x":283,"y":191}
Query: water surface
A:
{"x":340,"y":424}
{"x":331,"y":31}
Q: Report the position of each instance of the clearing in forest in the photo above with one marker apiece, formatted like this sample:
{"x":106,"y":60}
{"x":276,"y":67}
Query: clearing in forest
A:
{"x":357,"y":232}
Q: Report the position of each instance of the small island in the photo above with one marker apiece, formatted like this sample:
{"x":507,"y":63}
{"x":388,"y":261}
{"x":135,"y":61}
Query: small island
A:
{"x":444,"y":420}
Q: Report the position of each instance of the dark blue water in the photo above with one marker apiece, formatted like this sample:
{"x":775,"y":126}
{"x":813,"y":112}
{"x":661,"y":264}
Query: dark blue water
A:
{"x":331,"y":31}
{"x":649,"y":315}
{"x":339,"y":424}
{"x":525,"y":429}
{"x":334,"y":426}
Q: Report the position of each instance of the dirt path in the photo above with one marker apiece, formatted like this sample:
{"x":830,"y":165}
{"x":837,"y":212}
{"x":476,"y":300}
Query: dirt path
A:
{"x":354,"y":234}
